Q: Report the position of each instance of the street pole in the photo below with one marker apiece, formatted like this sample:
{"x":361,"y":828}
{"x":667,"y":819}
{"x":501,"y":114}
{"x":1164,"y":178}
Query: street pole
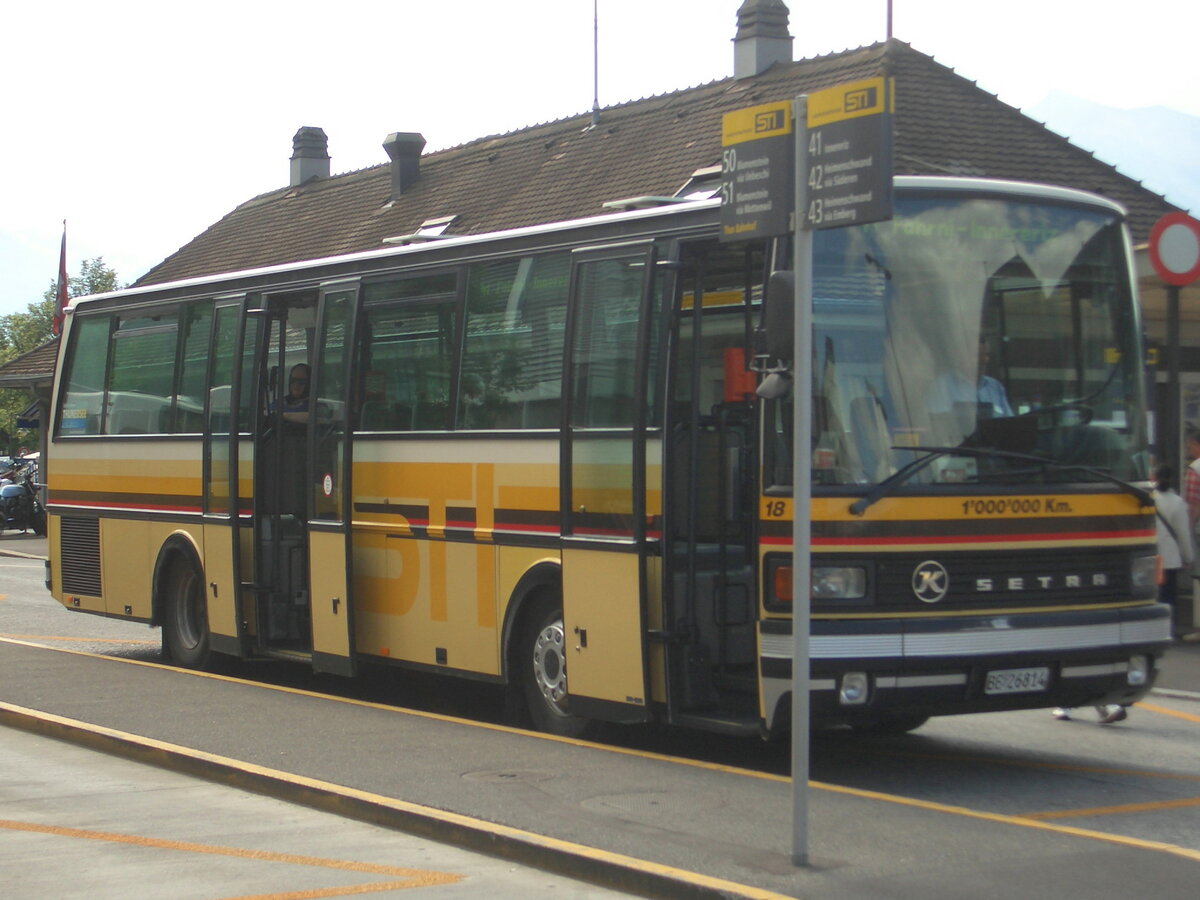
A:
{"x":1171,"y":451}
{"x":801,"y":491}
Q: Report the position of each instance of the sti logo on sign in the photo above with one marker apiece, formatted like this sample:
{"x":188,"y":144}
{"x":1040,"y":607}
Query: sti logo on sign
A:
{"x":775,"y":120}
{"x":848,"y":101}
{"x":866,"y":98}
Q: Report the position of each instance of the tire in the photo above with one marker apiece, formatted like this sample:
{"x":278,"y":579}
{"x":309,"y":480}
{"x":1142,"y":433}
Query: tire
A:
{"x":542,"y":669}
{"x":185,"y":632}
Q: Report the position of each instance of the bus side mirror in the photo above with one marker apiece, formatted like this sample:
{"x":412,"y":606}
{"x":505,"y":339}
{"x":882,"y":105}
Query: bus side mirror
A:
{"x":779,"y":311}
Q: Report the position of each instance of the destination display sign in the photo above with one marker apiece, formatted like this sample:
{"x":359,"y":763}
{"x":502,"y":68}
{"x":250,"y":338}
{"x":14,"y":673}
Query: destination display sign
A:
{"x":849,"y":172}
{"x":757,"y":168}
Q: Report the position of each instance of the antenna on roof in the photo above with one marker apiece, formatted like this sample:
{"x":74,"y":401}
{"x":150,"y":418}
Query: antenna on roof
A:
{"x":596,"y":62}
{"x":889,"y":19}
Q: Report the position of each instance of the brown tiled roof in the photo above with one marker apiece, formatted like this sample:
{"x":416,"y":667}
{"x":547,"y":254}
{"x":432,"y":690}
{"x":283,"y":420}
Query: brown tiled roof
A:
{"x":37,"y":365}
{"x":944,"y":124}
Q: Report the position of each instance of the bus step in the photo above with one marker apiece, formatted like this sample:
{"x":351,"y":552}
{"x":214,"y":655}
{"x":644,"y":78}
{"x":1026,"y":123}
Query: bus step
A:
{"x":304,"y":656}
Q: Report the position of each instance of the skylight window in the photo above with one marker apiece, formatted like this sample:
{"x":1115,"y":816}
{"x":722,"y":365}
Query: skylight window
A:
{"x":429,"y":230}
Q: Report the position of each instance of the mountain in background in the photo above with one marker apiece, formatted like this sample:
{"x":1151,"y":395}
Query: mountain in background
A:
{"x":1159,"y":147}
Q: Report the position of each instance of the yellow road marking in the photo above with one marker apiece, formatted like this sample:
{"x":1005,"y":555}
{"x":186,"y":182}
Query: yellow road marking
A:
{"x":410,"y":878}
{"x":77,"y":640}
{"x":1021,"y":821}
{"x":1113,"y":810}
{"x":1163,"y":711}
{"x":1038,"y":764}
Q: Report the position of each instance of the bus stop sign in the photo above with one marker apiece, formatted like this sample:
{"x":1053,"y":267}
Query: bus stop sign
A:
{"x":757,"y":165}
{"x":1175,"y":249}
{"x":849,"y":159}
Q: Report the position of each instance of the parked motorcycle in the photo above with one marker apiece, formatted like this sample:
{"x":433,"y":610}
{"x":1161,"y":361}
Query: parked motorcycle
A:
{"x":20,"y":506}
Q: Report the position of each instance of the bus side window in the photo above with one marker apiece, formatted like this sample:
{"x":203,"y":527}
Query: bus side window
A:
{"x":87,"y":363}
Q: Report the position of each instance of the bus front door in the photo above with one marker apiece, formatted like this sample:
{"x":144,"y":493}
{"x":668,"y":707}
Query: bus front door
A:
{"x":280,"y":473}
{"x":604,"y":485}
{"x":330,"y":507}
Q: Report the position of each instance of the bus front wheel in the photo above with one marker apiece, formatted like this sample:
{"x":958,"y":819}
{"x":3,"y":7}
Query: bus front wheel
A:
{"x":543,"y":670}
{"x":185,"y":619}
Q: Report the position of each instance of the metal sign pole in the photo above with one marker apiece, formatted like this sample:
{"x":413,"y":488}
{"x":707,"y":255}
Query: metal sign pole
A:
{"x":802,"y":376}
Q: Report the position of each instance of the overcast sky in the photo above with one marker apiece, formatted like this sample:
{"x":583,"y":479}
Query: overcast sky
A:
{"x":142,"y":122}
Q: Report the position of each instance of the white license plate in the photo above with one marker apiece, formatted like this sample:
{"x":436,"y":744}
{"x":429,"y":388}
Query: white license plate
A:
{"x":1016,"y":681}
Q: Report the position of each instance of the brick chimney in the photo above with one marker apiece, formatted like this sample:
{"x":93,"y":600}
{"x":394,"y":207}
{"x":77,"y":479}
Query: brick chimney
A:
{"x":762,"y":38}
{"x":404,"y":148}
{"x":310,"y":156}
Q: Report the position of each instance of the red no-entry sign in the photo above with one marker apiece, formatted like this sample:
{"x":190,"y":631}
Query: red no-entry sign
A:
{"x":1175,"y":249}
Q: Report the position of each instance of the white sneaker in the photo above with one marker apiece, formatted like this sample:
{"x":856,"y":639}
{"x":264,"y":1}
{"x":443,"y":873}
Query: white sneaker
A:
{"x":1062,"y":714}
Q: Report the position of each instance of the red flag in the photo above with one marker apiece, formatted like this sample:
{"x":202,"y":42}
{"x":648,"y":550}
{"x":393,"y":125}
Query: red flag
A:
{"x":60,"y":303}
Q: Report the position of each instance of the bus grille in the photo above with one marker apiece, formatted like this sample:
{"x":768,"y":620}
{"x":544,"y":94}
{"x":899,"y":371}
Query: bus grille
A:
{"x":80,"y":542}
{"x":1031,"y":577}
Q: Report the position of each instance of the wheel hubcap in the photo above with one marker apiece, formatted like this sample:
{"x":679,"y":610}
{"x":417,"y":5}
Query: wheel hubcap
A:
{"x":550,"y":666}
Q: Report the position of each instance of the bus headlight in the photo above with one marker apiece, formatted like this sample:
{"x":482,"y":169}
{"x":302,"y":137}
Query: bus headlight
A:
{"x":1138,"y":672}
{"x":829,"y":584}
{"x":839,"y":583}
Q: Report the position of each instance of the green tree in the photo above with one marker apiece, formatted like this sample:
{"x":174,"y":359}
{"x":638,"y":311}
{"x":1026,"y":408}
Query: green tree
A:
{"x":25,"y":331}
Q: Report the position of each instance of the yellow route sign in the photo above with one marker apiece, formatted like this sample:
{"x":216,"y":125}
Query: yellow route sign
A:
{"x":848,"y":172}
{"x":757,"y":171}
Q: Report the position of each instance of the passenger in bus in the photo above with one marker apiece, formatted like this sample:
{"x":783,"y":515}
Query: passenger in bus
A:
{"x":976,"y":391}
{"x":961,"y":397}
{"x":296,"y":401}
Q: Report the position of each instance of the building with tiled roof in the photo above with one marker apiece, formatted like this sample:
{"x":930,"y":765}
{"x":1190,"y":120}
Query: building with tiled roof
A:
{"x":944,"y":124}
{"x":33,"y":369}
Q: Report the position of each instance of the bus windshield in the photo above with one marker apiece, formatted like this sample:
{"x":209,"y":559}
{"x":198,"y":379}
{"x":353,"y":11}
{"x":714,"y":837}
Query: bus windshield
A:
{"x":995,"y":337}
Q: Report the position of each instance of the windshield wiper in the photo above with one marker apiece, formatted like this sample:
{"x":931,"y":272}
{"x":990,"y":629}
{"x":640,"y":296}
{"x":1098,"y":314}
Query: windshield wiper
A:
{"x":900,"y":476}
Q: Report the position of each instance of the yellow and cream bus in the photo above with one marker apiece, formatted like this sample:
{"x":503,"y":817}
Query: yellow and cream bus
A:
{"x":560,"y":459}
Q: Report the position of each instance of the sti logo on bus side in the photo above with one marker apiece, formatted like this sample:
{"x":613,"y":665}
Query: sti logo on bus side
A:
{"x":865,"y":98}
{"x":773,"y":120}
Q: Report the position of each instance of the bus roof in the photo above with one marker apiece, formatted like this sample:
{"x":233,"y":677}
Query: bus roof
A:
{"x":403,"y":247}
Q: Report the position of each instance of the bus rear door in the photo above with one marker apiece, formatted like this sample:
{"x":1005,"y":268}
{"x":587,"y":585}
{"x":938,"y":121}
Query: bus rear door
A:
{"x":604,"y":483}
{"x":330,"y":508}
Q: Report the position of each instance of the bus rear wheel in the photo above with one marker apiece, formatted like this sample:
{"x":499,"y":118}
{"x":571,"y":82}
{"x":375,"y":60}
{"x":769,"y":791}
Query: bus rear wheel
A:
{"x":543,"y":670}
{"x":185,"y":619}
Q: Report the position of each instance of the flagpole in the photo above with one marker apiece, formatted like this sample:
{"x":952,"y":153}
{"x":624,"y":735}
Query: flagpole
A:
{"x":60,"y":294}
{"x":595,"y":63}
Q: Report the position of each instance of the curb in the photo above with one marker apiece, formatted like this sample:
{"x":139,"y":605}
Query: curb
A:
{"x":4,"y":551}
{"x":582,"y":863}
